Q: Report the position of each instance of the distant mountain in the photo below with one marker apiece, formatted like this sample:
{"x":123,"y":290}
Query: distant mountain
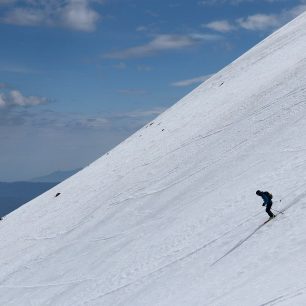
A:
{"x":13,"y":195}
{"x":57,"y":176}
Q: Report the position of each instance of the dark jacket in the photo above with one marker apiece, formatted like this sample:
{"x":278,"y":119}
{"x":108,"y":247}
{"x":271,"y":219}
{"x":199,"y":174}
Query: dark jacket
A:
{"x":266,"y":198}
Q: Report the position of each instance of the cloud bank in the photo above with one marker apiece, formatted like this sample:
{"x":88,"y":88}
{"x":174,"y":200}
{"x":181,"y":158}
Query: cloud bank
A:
{"x":162,"y":43}
{"x":220,"y":26}
{"x":73,"y":14}
{"x":257,"y":22}
{"x":188,"y":82}
{"x":16,"y":98}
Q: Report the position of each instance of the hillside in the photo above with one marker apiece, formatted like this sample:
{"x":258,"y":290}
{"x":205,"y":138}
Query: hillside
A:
{"x":170,"y":216}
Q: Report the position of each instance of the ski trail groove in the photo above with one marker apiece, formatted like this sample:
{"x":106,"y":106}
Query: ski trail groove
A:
{"x":239,"y":244}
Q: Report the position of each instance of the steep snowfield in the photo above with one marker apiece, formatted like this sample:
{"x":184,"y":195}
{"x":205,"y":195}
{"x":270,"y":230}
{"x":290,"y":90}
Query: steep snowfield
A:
{"x":170,"y":216}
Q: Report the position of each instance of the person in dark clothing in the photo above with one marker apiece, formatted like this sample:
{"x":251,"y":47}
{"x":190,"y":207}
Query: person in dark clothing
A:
{"x":267,"y":198}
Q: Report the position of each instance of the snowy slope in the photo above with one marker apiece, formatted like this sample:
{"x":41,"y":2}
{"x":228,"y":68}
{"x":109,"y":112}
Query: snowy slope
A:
{"x":170,"y":216}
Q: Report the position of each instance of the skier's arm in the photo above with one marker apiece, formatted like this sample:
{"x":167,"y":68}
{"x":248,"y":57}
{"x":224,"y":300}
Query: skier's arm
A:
{"x":266,"y":200}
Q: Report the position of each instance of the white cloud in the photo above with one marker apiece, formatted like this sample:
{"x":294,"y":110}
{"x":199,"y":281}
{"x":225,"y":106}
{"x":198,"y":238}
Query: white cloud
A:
{"x":16,"y":98}
{"x":2,"y":101}
{"x":73,"y":14}
{"x":259,"y":22}
{"x":124,"y":121}
{"x":78,"y":15}
{"x":143,"y":114}
{"x":130,"y":120}
{"x":141,"y":29}
{"x":188,"y":82}
{"x":27,"y":17}
{"x":162,"y":43}
{"x":272,"y":21}
{"x":220,"y":26}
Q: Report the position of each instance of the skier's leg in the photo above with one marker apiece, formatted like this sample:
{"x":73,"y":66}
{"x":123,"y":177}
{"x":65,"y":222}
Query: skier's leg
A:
{"x":268,"y":210}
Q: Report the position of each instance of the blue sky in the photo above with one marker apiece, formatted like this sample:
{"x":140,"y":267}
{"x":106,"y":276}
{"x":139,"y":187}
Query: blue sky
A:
{"x":79,"y":76}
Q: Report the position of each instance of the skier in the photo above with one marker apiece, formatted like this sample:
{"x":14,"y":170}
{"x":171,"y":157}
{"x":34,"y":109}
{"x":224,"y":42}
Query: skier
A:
{"x":267,"y":198}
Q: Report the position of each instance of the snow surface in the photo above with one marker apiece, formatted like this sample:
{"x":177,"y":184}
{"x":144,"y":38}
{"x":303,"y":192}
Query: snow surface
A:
{"x":170,"y":216}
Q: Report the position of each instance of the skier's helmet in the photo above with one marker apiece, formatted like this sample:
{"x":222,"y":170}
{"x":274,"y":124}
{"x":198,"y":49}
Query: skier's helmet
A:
{"x":258,"y":192}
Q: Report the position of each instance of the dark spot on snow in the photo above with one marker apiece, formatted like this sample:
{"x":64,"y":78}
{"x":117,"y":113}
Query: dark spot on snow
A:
{"x":163,"y":130}
{"x":221,"y":84}
{"x":57,"y":194}
{"x":151,"y":123}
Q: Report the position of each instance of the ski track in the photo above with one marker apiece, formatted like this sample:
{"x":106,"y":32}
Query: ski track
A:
{"x":162,"y":268}
{"x":148,"y":275}
{"x":294,"y":202}
{"x":285,"y":297}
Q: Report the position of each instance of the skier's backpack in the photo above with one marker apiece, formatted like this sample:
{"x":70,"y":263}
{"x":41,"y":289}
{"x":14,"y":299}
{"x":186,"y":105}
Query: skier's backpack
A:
{"x":269,"y":195}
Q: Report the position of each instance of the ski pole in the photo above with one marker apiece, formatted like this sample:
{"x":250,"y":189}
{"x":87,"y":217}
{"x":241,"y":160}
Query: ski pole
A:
{"x":277,"y":211}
